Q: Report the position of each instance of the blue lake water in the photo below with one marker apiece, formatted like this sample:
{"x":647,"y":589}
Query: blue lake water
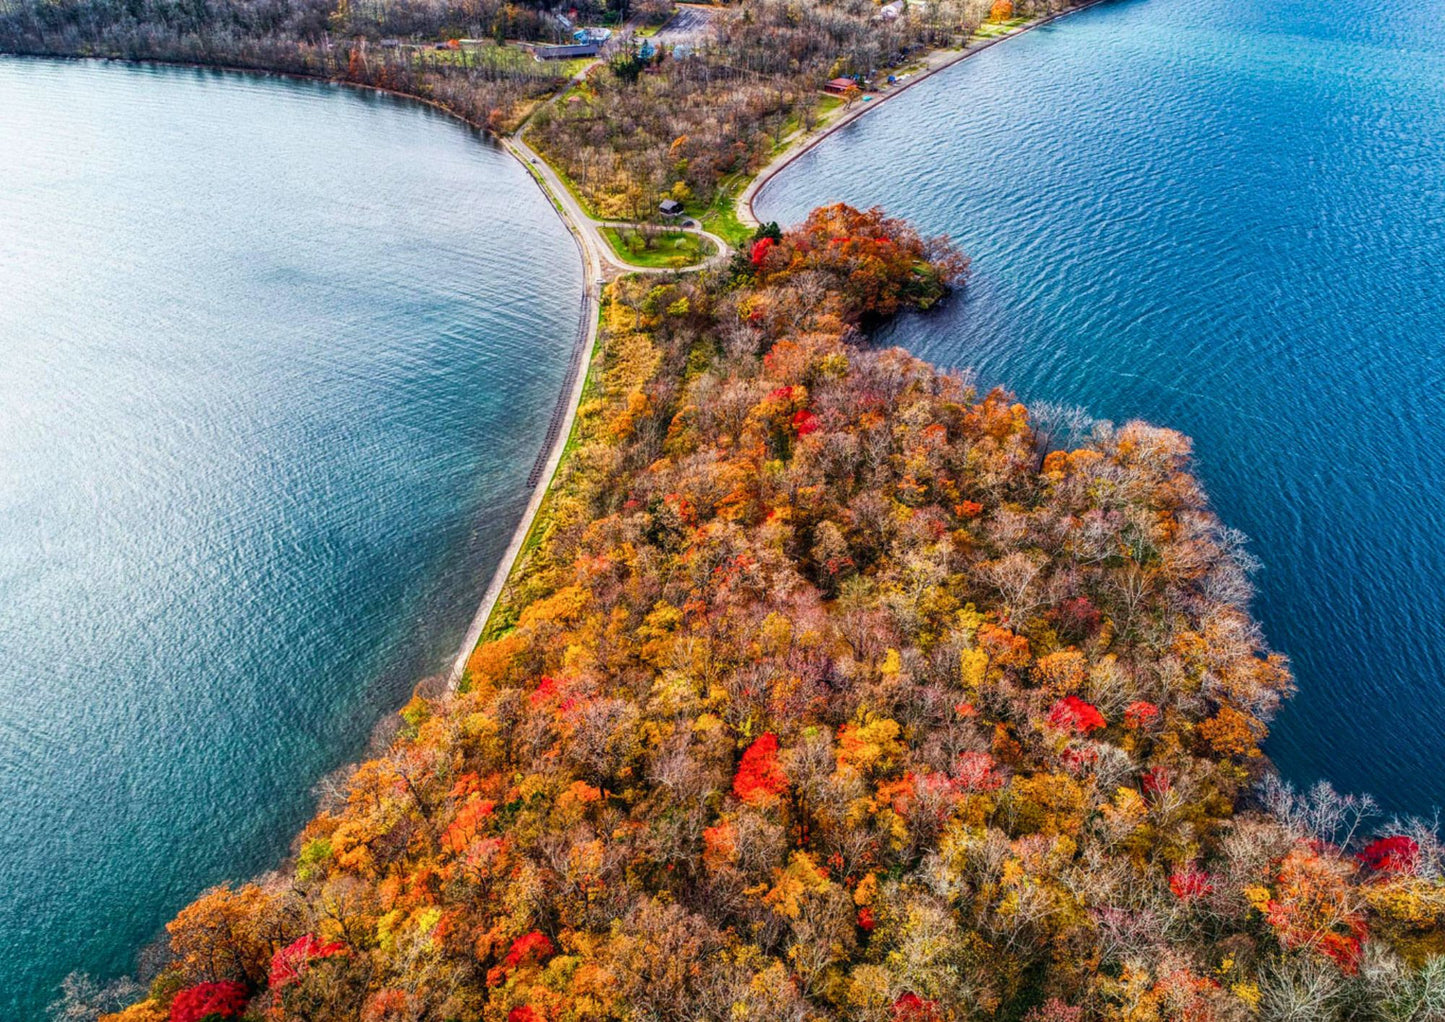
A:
{"x":275,"y":362}
{"x":1228,"y":219}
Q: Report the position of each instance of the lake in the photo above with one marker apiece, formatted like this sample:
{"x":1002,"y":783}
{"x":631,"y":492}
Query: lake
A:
{"x":276,"y":359}
{"x":1229,"y":220}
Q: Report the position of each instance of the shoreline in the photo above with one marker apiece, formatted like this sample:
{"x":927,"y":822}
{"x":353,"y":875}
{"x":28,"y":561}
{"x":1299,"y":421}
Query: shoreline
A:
{"x":559,"y":429}
{"x":802,"y":144}
{"x":263,"y":72}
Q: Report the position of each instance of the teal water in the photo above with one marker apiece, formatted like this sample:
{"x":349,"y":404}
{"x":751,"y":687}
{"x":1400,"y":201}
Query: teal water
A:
{"x":1228,"y":219}
{"x":275,"y":362}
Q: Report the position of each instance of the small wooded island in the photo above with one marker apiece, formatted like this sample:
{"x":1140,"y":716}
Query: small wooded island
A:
{"x":826,"y":686}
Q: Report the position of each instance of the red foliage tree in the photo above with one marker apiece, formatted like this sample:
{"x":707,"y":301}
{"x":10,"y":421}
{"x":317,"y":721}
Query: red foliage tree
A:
{"x":529,"y":949}
{"x":1156,"y":781}
{"x":546,"y":689}
{"x":210,"y":1000}
{"x":1397,"y":854}
{"x":291,"y":961}
{"x":912,"y":1008}
{"x":1190,"y":883}
{"x":759,"y":779}
{"x":1140,"y":713}
{"x":1073,"y":714}
{"x":1345,"y":949}
{"x":805,"y":422}
{"x":1078,"y":761}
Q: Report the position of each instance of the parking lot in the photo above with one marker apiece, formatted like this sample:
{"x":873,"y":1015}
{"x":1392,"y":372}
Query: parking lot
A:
{"x":688,"y":25}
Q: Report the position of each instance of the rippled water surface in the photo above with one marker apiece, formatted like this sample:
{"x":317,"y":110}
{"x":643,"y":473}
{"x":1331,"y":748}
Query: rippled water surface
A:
{"x":1229,"y":219}
{"x":275,"y":361}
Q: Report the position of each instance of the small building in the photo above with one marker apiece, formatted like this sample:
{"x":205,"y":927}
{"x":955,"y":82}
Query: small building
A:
{"x":670,"y":208}
{"x":543,"y":52}
{"x":838,"y":86}
{"x":892,"y":11}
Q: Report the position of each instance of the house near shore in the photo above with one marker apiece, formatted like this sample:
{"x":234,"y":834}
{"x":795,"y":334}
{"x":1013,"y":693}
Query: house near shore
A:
{"x":670,"y":208}
{"x":838,"y":86}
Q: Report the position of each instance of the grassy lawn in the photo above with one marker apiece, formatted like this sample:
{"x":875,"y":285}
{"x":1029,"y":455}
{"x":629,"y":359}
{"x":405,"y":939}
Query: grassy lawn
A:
{"x":991,"y":29}
{"x":669,"y":249}
{"x":572,"y":68}
{"x":721,"y":218}
{"x":484,"y":52}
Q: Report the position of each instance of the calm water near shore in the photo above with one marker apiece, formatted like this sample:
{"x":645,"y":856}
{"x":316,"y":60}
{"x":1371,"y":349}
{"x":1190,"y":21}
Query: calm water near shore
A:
{"x":1228,"y":219}
{"x":275,"y":361}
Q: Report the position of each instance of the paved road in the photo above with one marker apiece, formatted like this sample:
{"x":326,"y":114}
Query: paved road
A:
{"x":721,"y":254}
{"x":586,"y":227}
{"x":599,"y":263}
{"x":590,"y":229}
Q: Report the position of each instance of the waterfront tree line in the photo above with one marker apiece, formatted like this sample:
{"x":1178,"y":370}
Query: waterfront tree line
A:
{"x":643,"y":127}
{"x":835,"y":688}
{"x":390,"y":46}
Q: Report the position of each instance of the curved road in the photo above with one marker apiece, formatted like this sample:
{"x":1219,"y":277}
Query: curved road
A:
{"x":591,"y":228}
{"x":599,"y":264}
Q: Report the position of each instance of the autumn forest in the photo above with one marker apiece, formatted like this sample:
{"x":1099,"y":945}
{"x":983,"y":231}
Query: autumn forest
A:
{"x":833,"y":688}
{"x":828,"y":686}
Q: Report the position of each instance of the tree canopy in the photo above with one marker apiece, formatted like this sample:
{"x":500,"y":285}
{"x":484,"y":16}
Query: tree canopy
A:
{"x":835,"y":688}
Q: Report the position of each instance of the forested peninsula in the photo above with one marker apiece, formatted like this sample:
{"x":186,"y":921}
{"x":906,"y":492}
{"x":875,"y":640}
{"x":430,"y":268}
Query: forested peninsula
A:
{"x":827,"y":686}
{"x":833,"y":688}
